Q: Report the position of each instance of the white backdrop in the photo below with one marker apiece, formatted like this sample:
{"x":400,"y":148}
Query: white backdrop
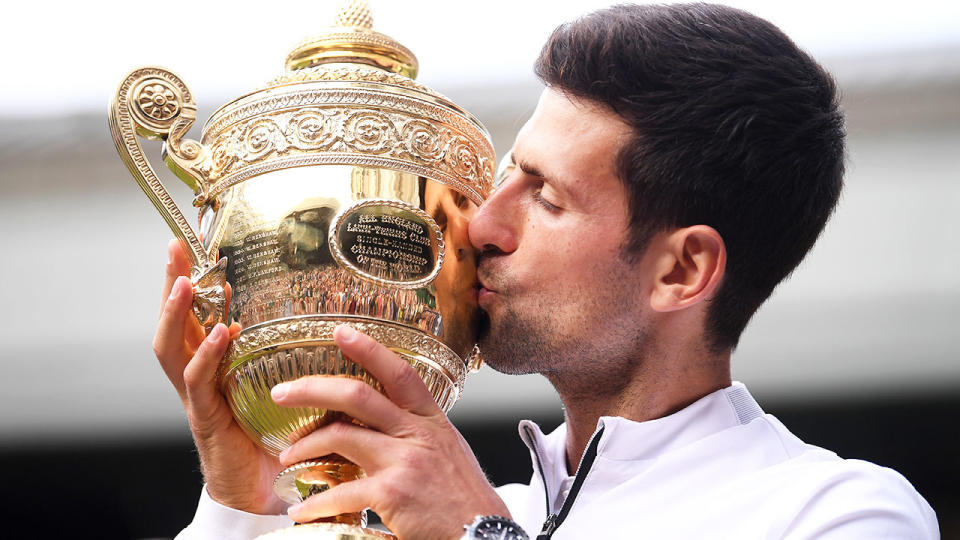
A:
{"x":873,"y":311}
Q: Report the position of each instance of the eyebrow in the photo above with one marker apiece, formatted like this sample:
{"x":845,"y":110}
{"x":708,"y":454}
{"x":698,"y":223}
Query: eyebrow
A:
{"x":527,"y":167}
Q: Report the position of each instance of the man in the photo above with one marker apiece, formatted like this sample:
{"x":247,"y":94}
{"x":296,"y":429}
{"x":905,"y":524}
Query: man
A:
{"x":680,"y":164}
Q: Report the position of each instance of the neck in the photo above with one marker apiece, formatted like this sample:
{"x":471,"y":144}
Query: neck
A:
{"x":658,"y":390}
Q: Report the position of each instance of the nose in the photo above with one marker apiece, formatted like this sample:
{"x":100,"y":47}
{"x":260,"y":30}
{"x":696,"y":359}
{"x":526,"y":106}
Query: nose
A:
{"x":496,"y":225}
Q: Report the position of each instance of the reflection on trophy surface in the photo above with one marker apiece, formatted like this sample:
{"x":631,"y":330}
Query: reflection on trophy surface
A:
{"x":339,"y":193}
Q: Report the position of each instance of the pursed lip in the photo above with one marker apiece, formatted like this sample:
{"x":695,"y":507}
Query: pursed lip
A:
{"x":484,"y":292}
{"x":481,"y":282}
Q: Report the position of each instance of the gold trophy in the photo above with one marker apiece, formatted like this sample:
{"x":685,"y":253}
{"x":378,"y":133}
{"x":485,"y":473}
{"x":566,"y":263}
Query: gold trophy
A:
{"x":335,"y":194}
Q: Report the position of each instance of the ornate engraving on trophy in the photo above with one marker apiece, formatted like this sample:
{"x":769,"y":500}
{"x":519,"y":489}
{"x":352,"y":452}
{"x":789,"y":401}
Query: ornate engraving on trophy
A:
{"x":258,"y":258}
{"x":288,"y":271}
{"x":157,"y":99}
{"x":245,"y":141}
{"x":388,"y":242}
{"x":385,"y":244}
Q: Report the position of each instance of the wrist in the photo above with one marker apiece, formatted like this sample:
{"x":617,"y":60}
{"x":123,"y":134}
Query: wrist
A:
{"x":491,"y":527}
{"x":264,"y":506}
{"x":214,"y":520}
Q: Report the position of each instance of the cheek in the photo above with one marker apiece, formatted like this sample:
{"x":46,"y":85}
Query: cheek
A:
{"x":573,"y":254}
{"x":589,"y":274}
{"x":562,"y":264}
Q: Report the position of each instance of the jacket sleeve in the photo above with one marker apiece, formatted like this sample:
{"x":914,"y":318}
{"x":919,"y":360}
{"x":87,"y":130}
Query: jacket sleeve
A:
{"x":214,"y":521}
{"x":866,"y":501}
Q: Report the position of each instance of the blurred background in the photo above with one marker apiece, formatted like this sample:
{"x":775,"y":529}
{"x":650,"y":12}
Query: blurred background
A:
{"x":856,"y":352}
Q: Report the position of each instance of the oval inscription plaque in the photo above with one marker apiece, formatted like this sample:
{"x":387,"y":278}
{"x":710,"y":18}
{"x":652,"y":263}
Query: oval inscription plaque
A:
{"x":387,"y":242}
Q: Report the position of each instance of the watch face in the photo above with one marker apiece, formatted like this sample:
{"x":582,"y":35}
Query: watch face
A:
{"x":496,"y":529}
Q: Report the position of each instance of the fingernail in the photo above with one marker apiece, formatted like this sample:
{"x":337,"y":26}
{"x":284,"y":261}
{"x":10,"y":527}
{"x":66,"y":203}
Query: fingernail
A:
{"x":216,"y":334}
{"x":346,"y":333}
{"x":175,"y":290}
{"x":279,"y":391}
{"x":170,"y":247}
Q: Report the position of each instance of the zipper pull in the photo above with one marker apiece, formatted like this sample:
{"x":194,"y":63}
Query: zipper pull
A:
{"x":586,"y":462}
{"x":549,"y":526}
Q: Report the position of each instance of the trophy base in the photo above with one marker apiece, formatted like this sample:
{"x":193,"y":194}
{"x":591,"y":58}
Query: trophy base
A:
{"x":326,"y":531}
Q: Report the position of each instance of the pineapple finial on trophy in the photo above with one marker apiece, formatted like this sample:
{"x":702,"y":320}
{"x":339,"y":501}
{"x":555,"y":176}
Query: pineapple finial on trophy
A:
{"x":355,"y":14}
{"x":352,"y":40}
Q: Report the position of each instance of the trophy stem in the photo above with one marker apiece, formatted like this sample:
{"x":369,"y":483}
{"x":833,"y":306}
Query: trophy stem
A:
{"x":299,"y":481}
{"x":307,"y":478}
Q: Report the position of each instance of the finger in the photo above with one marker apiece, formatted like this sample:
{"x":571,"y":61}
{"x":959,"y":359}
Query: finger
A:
{"x":177,"y":265}
{"x":228,"y":295}
{"x":365,"y":447}
{"x":168,"y":343}
{"x":399,"y":380}
{"x":200,"y":375}
{"x":351,"y":396}
{"x":352,"y":496}
{"x":234,"y":326}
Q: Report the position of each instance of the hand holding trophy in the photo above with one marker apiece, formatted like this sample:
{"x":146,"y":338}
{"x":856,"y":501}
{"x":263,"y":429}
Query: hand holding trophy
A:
{"x":238,"y":472}
{"x":338,"y":195}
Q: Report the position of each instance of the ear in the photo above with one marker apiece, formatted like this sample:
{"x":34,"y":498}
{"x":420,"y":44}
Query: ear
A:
{"x":688,"y":267}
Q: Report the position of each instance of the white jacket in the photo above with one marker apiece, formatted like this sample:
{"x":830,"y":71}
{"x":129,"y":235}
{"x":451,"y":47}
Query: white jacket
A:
{"x":720,"y":468}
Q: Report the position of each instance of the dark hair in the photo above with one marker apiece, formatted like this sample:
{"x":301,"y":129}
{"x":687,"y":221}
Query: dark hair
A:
{"x":734,"y":127}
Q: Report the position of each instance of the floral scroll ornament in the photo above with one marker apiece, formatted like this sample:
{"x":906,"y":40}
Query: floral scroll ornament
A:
{"x":158,"y":100}
{"x":312,"y":130}
{"x":422,"y":140}
{"x":461,"y":157}
{"x":369,"y":132}
{"x":223,"y":154}
{"x":262,"y":137}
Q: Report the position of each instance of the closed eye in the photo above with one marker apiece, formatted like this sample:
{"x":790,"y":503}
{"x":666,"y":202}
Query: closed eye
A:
{"x":547,"y":205}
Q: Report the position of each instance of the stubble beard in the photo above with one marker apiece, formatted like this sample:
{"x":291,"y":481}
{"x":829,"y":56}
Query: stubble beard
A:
{"x":515,"y":346}
{"x":600,"y":360}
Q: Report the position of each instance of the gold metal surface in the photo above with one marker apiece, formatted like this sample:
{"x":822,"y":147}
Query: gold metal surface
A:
{"x":354,"y":41}
{"x":155,"y":104}
{"x":326,"y":531}
{"x":351,"y":121}
{"x":306,"y":478}
{"x":339,"y":193}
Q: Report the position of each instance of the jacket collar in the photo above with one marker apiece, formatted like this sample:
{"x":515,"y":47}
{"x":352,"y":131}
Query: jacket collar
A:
{"x":627,"y":440}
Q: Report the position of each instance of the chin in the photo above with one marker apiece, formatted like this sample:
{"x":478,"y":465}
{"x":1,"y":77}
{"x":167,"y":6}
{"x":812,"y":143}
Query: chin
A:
{"x":501,"y":356}
{"x":511,"y":344}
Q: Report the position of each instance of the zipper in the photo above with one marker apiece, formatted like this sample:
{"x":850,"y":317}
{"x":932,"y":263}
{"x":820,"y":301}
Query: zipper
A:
{"x":586,"y":462}
{"x":536,"y":459}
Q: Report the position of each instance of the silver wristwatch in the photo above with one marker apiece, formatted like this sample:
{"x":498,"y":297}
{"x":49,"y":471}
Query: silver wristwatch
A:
{"x":493,"y":528}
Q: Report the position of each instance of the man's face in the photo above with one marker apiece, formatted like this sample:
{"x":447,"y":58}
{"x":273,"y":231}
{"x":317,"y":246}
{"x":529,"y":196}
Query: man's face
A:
{"x":560,"y":297}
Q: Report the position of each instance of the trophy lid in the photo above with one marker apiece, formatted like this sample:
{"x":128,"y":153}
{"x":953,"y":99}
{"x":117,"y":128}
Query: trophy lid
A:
{"x":352,"y":40}
{"x":348,"y":97}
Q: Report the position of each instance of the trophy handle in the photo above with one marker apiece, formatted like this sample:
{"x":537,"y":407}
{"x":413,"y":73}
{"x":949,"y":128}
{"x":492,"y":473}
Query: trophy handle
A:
{"x":154,"y":103}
